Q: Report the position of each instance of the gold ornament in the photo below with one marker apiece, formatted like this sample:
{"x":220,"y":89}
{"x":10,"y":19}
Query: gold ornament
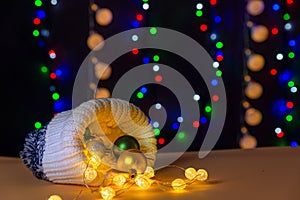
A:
{"x":102,"y":71}
{"x":255,"y":62}
{"x":95,"y":41}
{"x":253,"y":90}
{"x":253,"y":116}
{"x":104,"y":16}
{"x":102,"y":93}
{"x":248,"y":142}
{"x":259,"y":33}
{"x":255,"y":7}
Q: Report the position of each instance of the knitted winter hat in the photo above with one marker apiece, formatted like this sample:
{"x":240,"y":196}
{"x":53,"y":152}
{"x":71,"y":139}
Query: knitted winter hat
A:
{"x":57,"y":152}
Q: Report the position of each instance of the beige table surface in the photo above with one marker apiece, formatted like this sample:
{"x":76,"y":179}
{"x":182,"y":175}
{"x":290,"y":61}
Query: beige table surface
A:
{"x":269,"y":173}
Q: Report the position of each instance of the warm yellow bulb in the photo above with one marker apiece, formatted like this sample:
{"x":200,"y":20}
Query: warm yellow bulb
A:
{"x":128,"y":160}
{"x":149,"y":172}
{"x":202,"y":175}
{"x":90,"y":174}
{"x":107,"y":193}
{"x":143,"y":181}
{"x":94,"y":161}
{"x":178,"y":184}
{"x":119,"y":180}
{"x":190,"y":173}
{"x":54,"y":197}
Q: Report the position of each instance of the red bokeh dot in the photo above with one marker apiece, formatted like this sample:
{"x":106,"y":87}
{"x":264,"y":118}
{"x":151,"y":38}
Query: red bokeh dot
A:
{"x":215,"y":97}
{"x":274,"y":31}
{"x":158,"y":78}
{"x":203,"y":27}
{"x":280,"y":135}
{"x":219,"y":58}
{"x":273,"y":72}
{"x":135,"y":51}
{"x":289,"y":104}
{"x":289,"y":1}
{"x":196,"y":124}
{"x":161,"y":141}
{"x":139,"y":17}
{"x":213,"y":2}
{"x":53,"y":75}
{"x":51,"y":52}
{"x":36,"y":21}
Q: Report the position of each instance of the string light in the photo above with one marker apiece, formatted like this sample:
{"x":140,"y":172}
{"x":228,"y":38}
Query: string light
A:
{"x":178,"y":184}
{"x":54,"y":197}
{"x":122,"y":181}
{"x":119,"y":180}
{"x":190,"y":173}
{"x":107,"y":193}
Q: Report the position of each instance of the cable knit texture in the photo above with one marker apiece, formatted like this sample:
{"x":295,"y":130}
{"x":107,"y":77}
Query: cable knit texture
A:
{"x":64,"y":160}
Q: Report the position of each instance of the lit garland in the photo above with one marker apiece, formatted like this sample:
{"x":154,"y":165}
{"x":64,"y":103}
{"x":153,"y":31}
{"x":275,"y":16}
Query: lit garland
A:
{"x":114,"y":182}
{"x":217,"y":48}
{"x":42,"y":34}
{"x":289,"y":80}
{"x":255,"y":62}
{"x":252,"y":62}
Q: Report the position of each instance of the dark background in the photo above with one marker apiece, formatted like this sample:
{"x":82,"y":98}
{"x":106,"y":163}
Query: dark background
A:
{"x":27,"y":92}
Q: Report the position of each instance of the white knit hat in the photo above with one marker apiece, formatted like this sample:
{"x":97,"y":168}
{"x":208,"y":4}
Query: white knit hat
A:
{"x":58,"y":153}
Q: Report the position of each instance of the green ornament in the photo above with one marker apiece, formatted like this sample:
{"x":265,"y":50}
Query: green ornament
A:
{"x":124,"y":143}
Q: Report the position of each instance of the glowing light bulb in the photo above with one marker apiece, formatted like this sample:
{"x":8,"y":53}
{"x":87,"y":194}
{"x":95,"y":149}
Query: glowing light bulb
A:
{"x":294,"y":89}
{"x":158,"y":106}
{"x":54,"y":197}
{"x":94,"y":162}
{"x":216,"y":64}
{"x":90,"y":174}
{"x":202,"y":175}
{"x":107,"y":193}
{"x":178,"y":184}
{"x":196,"y":97}
{"x":145,"y":6}
{"x":180,"y":119}
{"x":155,"y":124}
{"x":143,"y":181}
{"x":155,"y":68}
{"x":134,"y":38}
{"x":119,"y":180}
{"x":190,"y":173}
{"x":278,"y":130}
{"x":149,"y":172}
{"x":279,"y":56}
{"x":199,"y":6}
{"x":213,"y":36}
